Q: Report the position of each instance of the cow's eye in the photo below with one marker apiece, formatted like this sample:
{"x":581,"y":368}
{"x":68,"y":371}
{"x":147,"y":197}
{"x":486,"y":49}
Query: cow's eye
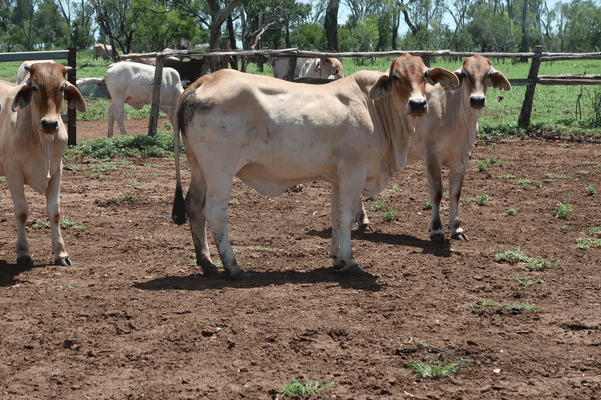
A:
{"x":396,"y":79}
{"x":34,"y":89}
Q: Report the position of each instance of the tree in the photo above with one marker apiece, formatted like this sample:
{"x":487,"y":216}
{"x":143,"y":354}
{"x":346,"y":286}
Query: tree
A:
{"x":112,"y":19}
{"x":331,"y":24}
{"x":492,"y":31}
{"x":79,"y":17}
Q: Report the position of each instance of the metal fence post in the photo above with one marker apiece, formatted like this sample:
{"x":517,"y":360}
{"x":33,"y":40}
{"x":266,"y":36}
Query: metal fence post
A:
{"x":72,"y":112}
{"x":524,"y":119}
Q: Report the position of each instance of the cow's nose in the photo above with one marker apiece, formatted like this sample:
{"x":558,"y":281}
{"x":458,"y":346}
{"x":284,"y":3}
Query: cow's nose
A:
{"x":50,"y":125}
{"x":477,"y":101}
{"x":417,"y":105}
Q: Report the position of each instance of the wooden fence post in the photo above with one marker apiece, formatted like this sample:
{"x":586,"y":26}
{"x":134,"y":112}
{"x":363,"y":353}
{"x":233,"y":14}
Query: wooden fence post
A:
{"x":291,"y":68}
{"x":72,"y":112}
{"x":524,"y":119}
{"x":156,"y":96}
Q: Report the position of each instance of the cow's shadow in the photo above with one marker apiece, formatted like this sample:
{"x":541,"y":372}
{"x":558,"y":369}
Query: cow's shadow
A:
{"x":10,"y":271}
{"x":427,"y":246}
{"x":331,"y":275}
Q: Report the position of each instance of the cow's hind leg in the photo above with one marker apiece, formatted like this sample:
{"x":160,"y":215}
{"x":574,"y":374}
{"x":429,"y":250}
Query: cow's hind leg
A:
{"x":361,"y":217}
{"x":21,"y":213}
{"x":435,"y":189}
{"x":53,"y":209}
{"x":119,"y":114}
{"x":455,"y":185}
{"x":194,"y":206}
{"x":216,"y":202}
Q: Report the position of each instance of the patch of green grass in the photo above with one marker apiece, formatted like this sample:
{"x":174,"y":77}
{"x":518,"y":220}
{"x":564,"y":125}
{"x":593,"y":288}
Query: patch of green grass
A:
{"x":294,"y":387}
{"x":377,"y":202}
{"x":562,"y":210}
{"x":40,"y":224}
{"x":61,"y":287}
{"x":525,"y":280}
{"x":485,"y":303}
{"x":561,"y":175}
{"x":481,"y":166}
{"x":590,"y":190}
{"x":427,"y":204}
{"x":519,"y":256}
{"x":508,"y":176}
{"x":389,"y":215}
{"x":526,"y":183}
{"x":235,"y":202}
{"x":563,"y":227}
{"x":526,"y":306}
{"x":395,"y":189}
{"x":436,"y":369}
{"x":191,"y":257}
{"x":2,"y":178}
{"x":493,"y":160}
{"x":128,"y":196}
{"x":67,"y":223}
{"x":587,"y":243}
{"x":511,"y":211}
{"x":258,"y":248}
{"x":593,"y":230}
{"x":483,"y":199}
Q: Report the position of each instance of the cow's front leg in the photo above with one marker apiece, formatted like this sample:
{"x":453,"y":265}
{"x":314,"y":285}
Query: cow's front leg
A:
{"x":53,"y":209}
{"x":344,"y":207}
{"x":217,"y":199}
{"x":21,"y":213}
{"x":455,"y":185}
{"x":194,"y":207}
{"x":433,"y":168}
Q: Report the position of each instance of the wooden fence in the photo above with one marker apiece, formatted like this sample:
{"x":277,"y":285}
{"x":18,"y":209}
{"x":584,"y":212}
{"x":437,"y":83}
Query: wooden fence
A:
{"x":531,"y":81}
{"x":71,"y":56}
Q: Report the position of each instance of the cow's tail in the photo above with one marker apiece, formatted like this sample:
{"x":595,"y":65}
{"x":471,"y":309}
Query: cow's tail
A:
{"x":179,"y":205}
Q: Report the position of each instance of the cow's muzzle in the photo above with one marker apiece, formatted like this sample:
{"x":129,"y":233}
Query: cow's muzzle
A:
{"x":477,"y":102}
{"x":417,"y":107}
{"x":49,"y":126}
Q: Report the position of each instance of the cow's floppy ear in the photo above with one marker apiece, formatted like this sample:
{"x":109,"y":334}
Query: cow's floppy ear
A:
{"x":442,"y":76}
{"x":381,"y":88}
{"x":74,"y":97}
{"x":22,"y":99}
{"x":498,"y":80}
{"x":317,"y":64}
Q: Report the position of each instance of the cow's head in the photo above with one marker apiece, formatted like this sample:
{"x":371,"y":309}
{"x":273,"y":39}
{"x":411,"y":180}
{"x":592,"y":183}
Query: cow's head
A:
{"x":44,"y":91}
{"x":333,"y":67}
{"x":406,"y":81}
{"x":476,"y":75}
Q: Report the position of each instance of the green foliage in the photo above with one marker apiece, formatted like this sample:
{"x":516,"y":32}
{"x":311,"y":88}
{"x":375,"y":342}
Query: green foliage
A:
{"x":526,"y":183}
{"x":485,"y":303}
{"x":154,"y":146}
{"x":519,"y":256}
{"x":590,"y":190}
{"x":309,"y":36}
{"x":294,"y":387}
{"x":435,"y":369}
{"x":58,"y":288}
{"x":259,"y":248}
{"x":481,"y":166}
{"x":359,"y":37}
{"x":562,"y":210}
{"x":525,"y":280}
{"x":389,"y":215}
{"x":511,"y":211}
{"x":40,"y":224}
{"x":526,"y":306}
{"x":587,"y":243}
{"x":483,"y":199}
{"x":67,"y":223}
{"x":427,"y":204}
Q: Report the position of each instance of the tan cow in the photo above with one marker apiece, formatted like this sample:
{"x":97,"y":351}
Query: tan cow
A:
{"x":353,"y":132}
{"x":103,"y":50}
{"x":33,"y":139}
{"x":322,"y":68}
{"x":447,"y":135}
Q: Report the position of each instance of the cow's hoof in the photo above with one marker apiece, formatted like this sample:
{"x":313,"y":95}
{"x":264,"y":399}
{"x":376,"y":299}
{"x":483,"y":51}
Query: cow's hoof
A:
{"x":438,"y":237}
{"x":354,"y":270}
{"x":460,"y":236}
{"x":364,"y":227}
{"x":63,"y":262}
{"x":211,"y":270}
{"x":25,"y":261}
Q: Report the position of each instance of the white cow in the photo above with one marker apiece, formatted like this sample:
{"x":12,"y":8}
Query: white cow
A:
{"x":24,"y":69}
{"x":93,"y":87}
{"x":132,"y":83}
{"x":33,"y":139}
{"x":103,"y":50}
{"x":353,"y":132}
{"x":446,"y":137}
{"x":322,"y":68}
{"x":279,"y":66}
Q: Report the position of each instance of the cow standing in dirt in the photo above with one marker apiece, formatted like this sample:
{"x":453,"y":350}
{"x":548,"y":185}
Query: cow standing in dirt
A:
{"x":33,"y":139}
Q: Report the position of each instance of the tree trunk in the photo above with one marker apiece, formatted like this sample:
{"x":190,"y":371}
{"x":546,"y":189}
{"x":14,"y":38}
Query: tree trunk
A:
{"x":331,"y":24}
{"x":525,"y":44}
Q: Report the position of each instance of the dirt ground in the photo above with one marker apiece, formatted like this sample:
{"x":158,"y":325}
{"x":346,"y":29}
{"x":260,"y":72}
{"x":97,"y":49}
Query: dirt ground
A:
{"x":134,"y":318}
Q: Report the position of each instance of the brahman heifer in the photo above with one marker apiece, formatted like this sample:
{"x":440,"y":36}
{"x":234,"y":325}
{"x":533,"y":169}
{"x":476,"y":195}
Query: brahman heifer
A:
{"x":33,"y":139}
{"x":353,"y":132}
{"x":322,"y":68}
{"x":446,"y":137}
{"x":133,"y":83}
{"x":103,"y":50}
{"x":279,"y":67}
